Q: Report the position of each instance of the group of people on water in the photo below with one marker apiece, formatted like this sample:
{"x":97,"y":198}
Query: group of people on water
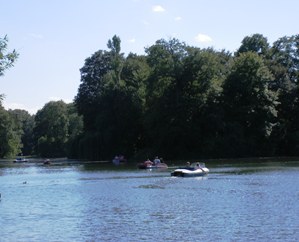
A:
{"x":156,"y":161}
{"x":118,"y":159}
{"x":193,"y":166}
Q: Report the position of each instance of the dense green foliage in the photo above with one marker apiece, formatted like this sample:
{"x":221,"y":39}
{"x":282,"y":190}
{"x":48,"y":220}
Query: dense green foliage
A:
{"x":176,"y":101}
{"x":249,"y":106}
{"x":10,"y":133}
{"x":182,"y":101}
{"x":7,"y":59}
{"x":25,"y":124}
{"x":56,"y":125}
{"x":53,"y":132}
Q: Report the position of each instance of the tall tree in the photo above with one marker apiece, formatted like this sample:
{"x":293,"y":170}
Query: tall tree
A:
{"x":7,"y":59}
{"x":51,"y":129}
{"x":92,"y":85}
{"x":117,"y":59}
{"x":135,"y":73}
{"x":250,"y":106}
{"x":75,"y":131}
{"x":286,"y":135}
{"x":256,"y":43}
{"x":10,"y":135}
{"x":25,"y":122}
{"x":10,"y":143}
{"x":164,"y":117}
{"x":285,"y":67}
{"x":285,"y":51}
{"x":108,"y":98}
{"x":204,"y":73}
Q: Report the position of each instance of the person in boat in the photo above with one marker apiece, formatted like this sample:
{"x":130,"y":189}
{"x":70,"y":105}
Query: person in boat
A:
{"x":148,"y":162}
{"x":189,"y":167}
{"x":157,"y":160}
{"x":199,"y":166}
{"x":116,"y":160}
{"x":122,"y":158}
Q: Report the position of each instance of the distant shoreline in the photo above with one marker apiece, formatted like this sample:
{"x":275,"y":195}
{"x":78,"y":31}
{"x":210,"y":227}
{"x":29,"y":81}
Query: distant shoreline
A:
{"x":66,"y":161}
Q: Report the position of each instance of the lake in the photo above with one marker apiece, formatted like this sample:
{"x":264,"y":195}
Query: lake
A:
{"x":100,"y":202}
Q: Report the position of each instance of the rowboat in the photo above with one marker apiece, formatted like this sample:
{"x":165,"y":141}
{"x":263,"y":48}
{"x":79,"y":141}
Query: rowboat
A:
{"x":151,"y":165}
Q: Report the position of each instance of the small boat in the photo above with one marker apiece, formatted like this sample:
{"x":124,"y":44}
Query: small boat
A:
{"x":150,"y":165}
{"x":196,"y":169}
{"x":20,"y":160}
{"x":118,"y":160}
{"x":47,"y":162}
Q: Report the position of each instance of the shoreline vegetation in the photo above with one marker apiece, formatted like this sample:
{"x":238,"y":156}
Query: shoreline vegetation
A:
{"x":176,"y":101}
{"x":224,"y":161}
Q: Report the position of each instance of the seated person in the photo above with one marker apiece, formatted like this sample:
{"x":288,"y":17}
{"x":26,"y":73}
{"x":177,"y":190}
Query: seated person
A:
{"x":116,"y":160}
{"x":189,"y":167}
{"x":148,"y":162}
{"x":157,"y":160}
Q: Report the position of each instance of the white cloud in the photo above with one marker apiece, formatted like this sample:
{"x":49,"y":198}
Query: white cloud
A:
{"x":202,"y":38}
{"x":21,"y":106}
{"x":13,"y":105}
{"x":54,"y":98}
{"x":145,"y":22}
{"x":132,"y":41}
{"x":174,"y":35}
{"x":178,"y":18}
{"x":32,"y":109}
{"x":36,"y":36}
{"x":158,"y":8}
{"x":66,"y":100}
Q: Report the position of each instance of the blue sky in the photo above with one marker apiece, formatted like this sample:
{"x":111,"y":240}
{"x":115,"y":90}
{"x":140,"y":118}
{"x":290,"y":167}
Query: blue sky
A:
{"x":54,"y":37}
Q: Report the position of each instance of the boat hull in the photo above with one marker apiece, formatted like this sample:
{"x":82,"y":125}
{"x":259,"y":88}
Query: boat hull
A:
{"x":20,"y":160}
{"x":190,"y":172}
{"x":158,"y":166}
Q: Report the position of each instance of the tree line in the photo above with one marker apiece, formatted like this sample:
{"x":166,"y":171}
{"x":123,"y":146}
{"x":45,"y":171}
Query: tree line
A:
{"x":176,"y":100}
{"x":48,"y":133}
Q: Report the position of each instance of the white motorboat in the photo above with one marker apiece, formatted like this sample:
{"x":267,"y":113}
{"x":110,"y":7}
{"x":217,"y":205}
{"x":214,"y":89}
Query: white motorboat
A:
{"x":20,"y":160}
{"x":196,"y":169}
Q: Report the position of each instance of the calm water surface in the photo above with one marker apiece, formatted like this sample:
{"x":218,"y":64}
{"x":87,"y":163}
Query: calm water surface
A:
{"x":100,"y":203}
